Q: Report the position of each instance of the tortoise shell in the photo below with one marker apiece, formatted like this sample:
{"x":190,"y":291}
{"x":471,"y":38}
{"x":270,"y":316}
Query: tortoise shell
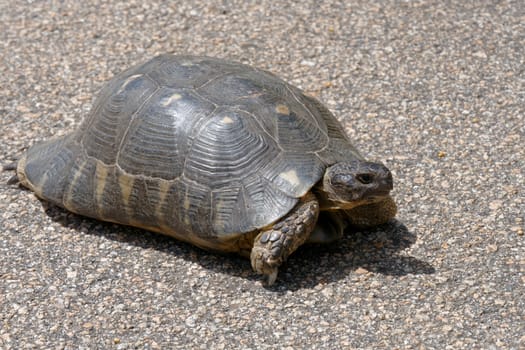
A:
{"x":195,"y":147}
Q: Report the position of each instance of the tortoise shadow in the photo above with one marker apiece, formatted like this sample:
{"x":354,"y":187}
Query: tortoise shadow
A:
{"x":375,"y":250}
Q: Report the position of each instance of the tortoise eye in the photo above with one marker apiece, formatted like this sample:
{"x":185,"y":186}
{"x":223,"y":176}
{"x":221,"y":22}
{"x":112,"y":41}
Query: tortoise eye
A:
{"x":365,"y":178}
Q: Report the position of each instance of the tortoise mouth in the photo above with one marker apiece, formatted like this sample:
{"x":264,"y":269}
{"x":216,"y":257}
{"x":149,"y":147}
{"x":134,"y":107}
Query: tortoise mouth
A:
{"x":345,"y":205}
{"x":377,"y":196}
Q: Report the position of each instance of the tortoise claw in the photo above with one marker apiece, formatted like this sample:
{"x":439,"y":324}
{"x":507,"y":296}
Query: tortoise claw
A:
{"x":264,"y":265}
{"x":270,"y":279}
{"x":13,"y":180}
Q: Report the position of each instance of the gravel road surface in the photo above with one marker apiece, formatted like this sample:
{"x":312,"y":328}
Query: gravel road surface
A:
{"x":434,"y":89}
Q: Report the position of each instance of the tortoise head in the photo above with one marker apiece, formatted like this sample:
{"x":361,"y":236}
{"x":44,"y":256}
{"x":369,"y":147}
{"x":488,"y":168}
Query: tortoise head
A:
{"x":350,"y":184}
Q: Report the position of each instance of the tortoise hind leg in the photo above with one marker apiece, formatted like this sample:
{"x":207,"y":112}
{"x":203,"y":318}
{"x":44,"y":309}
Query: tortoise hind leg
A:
{"x":273,"y":246}
{"x":11,"y":167}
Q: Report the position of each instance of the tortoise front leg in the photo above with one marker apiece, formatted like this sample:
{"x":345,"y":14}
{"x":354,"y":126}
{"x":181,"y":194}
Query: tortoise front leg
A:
{"x":273,"y":246}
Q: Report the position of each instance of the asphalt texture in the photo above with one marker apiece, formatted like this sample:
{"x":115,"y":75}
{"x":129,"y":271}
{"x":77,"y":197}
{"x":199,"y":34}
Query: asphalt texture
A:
{"x":434,"y":89}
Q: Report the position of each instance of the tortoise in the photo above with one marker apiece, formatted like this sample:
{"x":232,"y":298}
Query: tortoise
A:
{"x":219,"y":154}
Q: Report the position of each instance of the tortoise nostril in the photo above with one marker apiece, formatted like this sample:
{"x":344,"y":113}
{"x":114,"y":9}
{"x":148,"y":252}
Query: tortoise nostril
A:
{"x":365,"y":178}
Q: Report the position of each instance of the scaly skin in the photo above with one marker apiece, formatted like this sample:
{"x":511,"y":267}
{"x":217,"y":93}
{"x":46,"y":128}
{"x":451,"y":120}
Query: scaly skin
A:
{"x":373,"y":214}
{"x":273,"y":246}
